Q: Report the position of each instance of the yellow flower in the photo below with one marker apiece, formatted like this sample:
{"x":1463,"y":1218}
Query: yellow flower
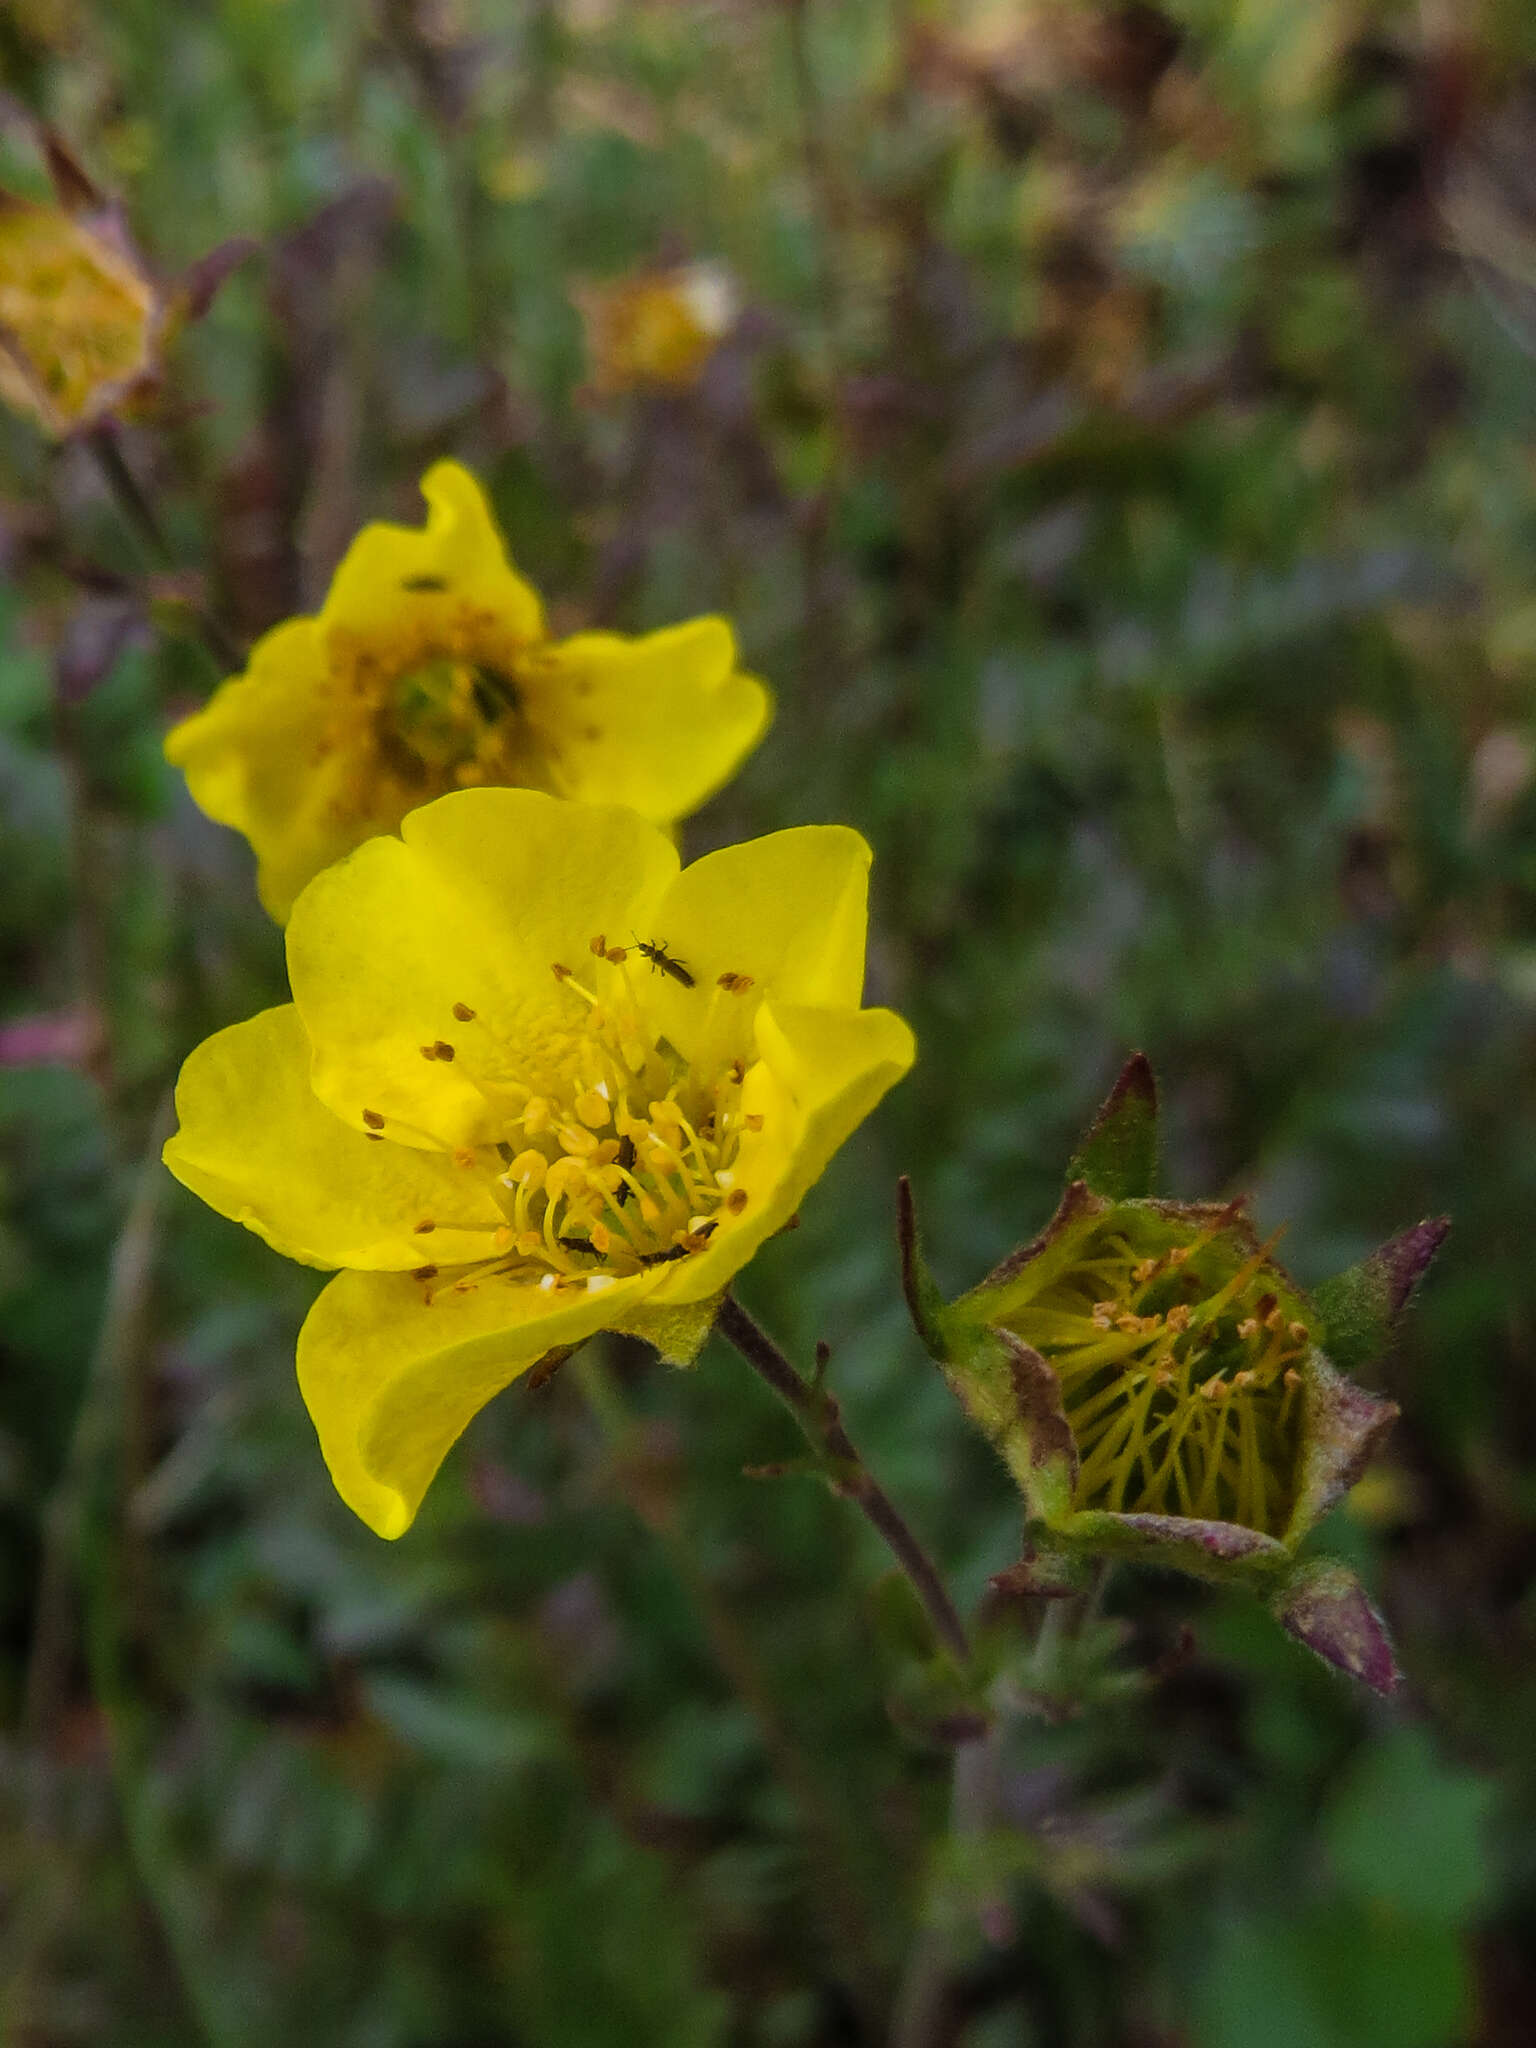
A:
{"x":534,"y":1082}
{"x":429,"y":669}
{"x":80,"y":321}
{"x":657,"y":327}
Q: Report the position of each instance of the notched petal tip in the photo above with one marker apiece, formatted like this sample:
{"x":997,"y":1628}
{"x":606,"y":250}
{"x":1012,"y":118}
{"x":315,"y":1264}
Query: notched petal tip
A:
{"x":456,"y":493}
{"x":1118,"y":1156}
{"x":1325,"y":1607}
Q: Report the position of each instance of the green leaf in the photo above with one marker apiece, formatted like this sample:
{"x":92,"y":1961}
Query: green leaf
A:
{"x":1334,"y":1977}
{"x":1410,"y":1832}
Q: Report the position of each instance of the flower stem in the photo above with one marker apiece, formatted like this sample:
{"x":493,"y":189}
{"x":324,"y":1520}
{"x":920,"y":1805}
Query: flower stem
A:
{"x":90,"y":1562}
{"x":821,"y":1425}
{"x":138,"y":512}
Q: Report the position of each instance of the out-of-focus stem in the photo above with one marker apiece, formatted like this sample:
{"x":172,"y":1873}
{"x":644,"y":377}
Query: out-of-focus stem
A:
{"x":121,"y":1335}
{"x":821,"y":1424}
{"x":919,"y":2014}
{"x":88,"y":919}
{"x":134,"y":504}
{"x":820,"y":175}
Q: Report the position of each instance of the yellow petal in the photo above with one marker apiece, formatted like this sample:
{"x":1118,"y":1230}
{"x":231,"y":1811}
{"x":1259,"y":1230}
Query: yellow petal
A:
{"x":257,"y":1146}
{"x":657,"y":723}
{"x":820,"y":1074}
{"x":457,"y":558}
{"x":485,"y":893}
{"x":391,"y":1379}
{"x":261,"y":756}
{"x":790,"y":911}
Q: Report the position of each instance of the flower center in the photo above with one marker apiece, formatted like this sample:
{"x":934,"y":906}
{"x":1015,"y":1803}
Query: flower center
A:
{"x":617,"y":1153}
{"x":449,"y":720}
{"x":1178,"y":1373}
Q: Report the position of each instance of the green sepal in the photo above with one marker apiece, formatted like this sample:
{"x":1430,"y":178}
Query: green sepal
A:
{"x":1221,"y":1551}
{"x":1118,"y":1156}
{"x":1014,"y":1398}
{"x":1043,"y":1572}
{"x":1360,"y":1307}
{"x":925,"y":1304}
{"x":676,"y":1329}
{"x":1344,"y":1424}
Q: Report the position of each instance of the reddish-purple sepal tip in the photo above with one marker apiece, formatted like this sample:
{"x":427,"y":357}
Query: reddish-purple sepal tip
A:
{"x":1325,"y":1606}
{"x":1118,"y":1156}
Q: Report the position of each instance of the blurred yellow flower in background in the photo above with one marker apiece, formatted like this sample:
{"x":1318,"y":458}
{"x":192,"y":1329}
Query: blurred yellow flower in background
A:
{"x":656,"y":327}
{"x":80,"y":320}
{"x":427,"y":669}
{"x":535,"y":1082}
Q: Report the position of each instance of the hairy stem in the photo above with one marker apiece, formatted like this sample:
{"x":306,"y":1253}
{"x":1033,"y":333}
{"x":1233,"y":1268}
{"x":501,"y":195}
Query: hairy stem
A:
{"x":821,"y":1424}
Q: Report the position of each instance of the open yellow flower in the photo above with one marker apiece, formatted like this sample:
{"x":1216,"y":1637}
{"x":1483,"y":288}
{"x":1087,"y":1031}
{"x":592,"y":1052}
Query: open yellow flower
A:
{"x":534,"y":1082}
{"x":428,"y":669}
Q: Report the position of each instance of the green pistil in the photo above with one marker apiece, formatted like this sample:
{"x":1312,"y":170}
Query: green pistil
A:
{"x":437,"y":715}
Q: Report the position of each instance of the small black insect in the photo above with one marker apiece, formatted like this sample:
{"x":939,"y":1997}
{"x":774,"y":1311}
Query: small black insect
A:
{"x":664,"y":1258}
{"x":576,"y":1244}
{"x":423,"y":583}
{"x":655,"y":950}
{"x":626,"y":1160}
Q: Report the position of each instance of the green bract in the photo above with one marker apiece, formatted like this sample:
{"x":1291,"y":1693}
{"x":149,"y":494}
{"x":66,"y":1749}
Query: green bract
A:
{"x":1160,"y":1388}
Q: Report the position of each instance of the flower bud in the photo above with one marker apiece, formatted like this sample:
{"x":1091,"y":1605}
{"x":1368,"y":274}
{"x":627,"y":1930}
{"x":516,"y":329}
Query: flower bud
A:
{"x":84,"y":321}
{"x":1160,"y":1388}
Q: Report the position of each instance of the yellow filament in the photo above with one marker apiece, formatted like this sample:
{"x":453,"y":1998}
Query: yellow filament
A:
{"x":1177,"y":1371}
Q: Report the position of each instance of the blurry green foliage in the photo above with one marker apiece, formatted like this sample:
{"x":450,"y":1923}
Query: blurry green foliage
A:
{"x":1122,"y":471}
{"x":1374,"y":1953}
